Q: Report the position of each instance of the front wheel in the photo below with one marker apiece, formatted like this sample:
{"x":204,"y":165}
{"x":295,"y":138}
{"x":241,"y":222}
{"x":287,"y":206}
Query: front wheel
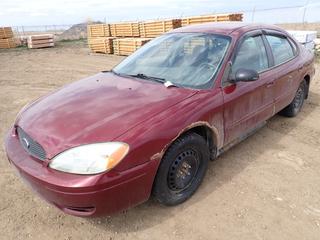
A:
{"x":181,"y":170}
{"x":295,"y":106}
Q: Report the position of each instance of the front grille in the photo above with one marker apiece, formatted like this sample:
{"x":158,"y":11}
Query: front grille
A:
{"x":31,"y":146}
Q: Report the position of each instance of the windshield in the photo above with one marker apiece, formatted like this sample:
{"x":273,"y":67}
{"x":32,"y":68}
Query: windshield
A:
{"x":184,"y":59}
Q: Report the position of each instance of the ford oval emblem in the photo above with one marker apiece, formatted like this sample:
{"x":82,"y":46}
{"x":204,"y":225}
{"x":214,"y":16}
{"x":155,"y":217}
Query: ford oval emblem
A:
{"x":27,"y":144}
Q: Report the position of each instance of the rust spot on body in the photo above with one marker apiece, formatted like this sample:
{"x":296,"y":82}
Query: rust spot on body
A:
{"x":215,"y":137}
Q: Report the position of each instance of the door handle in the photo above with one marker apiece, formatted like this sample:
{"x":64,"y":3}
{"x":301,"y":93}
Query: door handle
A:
{"x":270,"y":84}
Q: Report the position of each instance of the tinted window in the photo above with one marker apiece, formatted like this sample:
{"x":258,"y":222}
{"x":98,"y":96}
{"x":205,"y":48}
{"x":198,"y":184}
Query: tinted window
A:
{"x":251,"y":55}
{"x":281,"y":49}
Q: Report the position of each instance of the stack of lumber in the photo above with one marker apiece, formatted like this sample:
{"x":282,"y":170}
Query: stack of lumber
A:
{"x":211,"y":18}
{"x":126,"y":46}
{"x":125,"y":29}
{"x":98,"y":30}
{"x":6,"y":32}
{"x":126,"y":37}
{"x":6,"y":38}
{"x":101,"y":44}
{"x":152,"y":29}
{"x":7,"y":43}
{"x":40,"y":41}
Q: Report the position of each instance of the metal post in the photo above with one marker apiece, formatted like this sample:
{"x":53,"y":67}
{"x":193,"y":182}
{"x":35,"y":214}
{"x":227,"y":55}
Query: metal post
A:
{"x":253,"y":12}
{"x":304,"y":11}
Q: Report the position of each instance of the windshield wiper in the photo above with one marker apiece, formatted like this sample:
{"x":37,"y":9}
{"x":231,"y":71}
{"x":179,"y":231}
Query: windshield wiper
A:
{"x":157,"y":79}
{"x":112,"y":71}
{"x":143,"y":76}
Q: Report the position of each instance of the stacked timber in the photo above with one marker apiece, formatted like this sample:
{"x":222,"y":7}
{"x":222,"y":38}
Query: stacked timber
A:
{"x":126,"y":37}
{"x":7,"y":43}
{"x":98,"y":30}
{"x":6,"y":32}
{"x":6,"y":38}
{"x":101,"y":44}
{"x":211,"y":18}
{"x":129,"y":29}
{"x":152,"y":29}
{"x":40,"y":41}
{"x":126,"y":46}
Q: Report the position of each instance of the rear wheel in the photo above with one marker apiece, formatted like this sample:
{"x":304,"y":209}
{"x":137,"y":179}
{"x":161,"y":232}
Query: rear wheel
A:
{"x":182,"y":169}
{"x":295,"y":106}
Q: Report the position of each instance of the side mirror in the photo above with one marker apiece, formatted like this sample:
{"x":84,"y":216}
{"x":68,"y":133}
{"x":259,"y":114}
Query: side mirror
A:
{"x":246,"y":75}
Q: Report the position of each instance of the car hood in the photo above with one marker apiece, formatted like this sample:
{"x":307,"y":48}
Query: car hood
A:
{"x":96,"y":109}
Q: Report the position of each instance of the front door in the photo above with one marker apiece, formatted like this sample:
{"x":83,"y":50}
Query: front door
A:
{"x":246,"y":104}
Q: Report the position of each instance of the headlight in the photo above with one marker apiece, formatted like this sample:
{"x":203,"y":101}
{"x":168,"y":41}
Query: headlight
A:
{"x":90,"y":159}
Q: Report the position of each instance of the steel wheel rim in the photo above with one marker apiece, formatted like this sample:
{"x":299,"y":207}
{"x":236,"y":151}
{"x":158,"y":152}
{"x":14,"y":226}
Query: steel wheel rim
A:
{"x":183,"y":170}
{"x":298,"y":100}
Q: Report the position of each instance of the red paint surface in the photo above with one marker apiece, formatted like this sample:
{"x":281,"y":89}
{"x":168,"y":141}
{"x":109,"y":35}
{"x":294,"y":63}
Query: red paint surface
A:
{"x":147,"y":116}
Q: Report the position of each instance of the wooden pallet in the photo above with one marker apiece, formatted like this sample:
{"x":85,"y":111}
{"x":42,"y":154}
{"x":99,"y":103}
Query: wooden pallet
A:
{"x":6,"y":32}
{"x":126,"y":46}
{"x":7,"y":43}
{"x":211,"y":18}
{"x":101,"y":44}
{"x":156,"y":28}
{"x":129,"y":29}
{"x":40,"y":41}
{"x":98,"y":30}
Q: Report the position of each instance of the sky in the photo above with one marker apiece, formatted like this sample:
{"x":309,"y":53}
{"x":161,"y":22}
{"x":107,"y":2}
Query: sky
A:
{"x":57,"y":12}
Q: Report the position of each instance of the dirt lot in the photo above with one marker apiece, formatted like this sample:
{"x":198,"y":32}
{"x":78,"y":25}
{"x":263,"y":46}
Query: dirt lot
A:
{"x":267,"y":187}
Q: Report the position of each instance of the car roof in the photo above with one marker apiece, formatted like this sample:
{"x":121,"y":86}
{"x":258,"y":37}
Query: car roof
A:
{"x":226,"y":27}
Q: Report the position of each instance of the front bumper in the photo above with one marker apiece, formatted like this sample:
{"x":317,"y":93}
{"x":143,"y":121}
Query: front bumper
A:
{"x":82,"y":195}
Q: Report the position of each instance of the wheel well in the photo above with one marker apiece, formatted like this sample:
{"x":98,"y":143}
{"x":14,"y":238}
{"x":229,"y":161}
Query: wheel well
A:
{"x":206,"y":132}
{"x":307,"y":79}
{"x":208,"y":135}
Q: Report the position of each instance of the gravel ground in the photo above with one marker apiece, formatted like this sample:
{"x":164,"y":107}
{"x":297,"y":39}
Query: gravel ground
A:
{"x":267,"y":187}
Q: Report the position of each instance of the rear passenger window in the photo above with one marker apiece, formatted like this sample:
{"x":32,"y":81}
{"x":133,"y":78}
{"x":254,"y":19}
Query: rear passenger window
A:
{"x":251,"y":55}
{"x":281,"y":49}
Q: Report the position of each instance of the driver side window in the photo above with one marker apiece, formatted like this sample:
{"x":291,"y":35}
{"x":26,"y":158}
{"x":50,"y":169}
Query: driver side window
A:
{"x":251,"y":55}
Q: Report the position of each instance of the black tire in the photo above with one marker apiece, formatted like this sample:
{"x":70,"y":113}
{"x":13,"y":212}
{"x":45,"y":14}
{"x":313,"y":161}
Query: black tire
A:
{"x":295,"y":106}
{"x":181,"y":170}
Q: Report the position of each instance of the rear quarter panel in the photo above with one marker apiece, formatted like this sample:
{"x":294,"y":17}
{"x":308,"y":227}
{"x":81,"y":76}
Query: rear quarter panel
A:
{"x":307,"y":60}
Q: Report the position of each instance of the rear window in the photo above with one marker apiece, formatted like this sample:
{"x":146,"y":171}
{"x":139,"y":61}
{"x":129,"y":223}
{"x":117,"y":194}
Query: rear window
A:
{"x":281,"y":49}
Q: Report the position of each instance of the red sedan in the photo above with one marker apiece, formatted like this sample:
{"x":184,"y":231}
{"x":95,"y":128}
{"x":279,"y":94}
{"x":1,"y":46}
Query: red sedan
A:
{"x":151,"y":125}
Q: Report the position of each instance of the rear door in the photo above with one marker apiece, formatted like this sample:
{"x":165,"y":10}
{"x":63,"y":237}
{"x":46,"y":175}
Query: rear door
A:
{"x":286,"y":67}
{"x":246,"y":104}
